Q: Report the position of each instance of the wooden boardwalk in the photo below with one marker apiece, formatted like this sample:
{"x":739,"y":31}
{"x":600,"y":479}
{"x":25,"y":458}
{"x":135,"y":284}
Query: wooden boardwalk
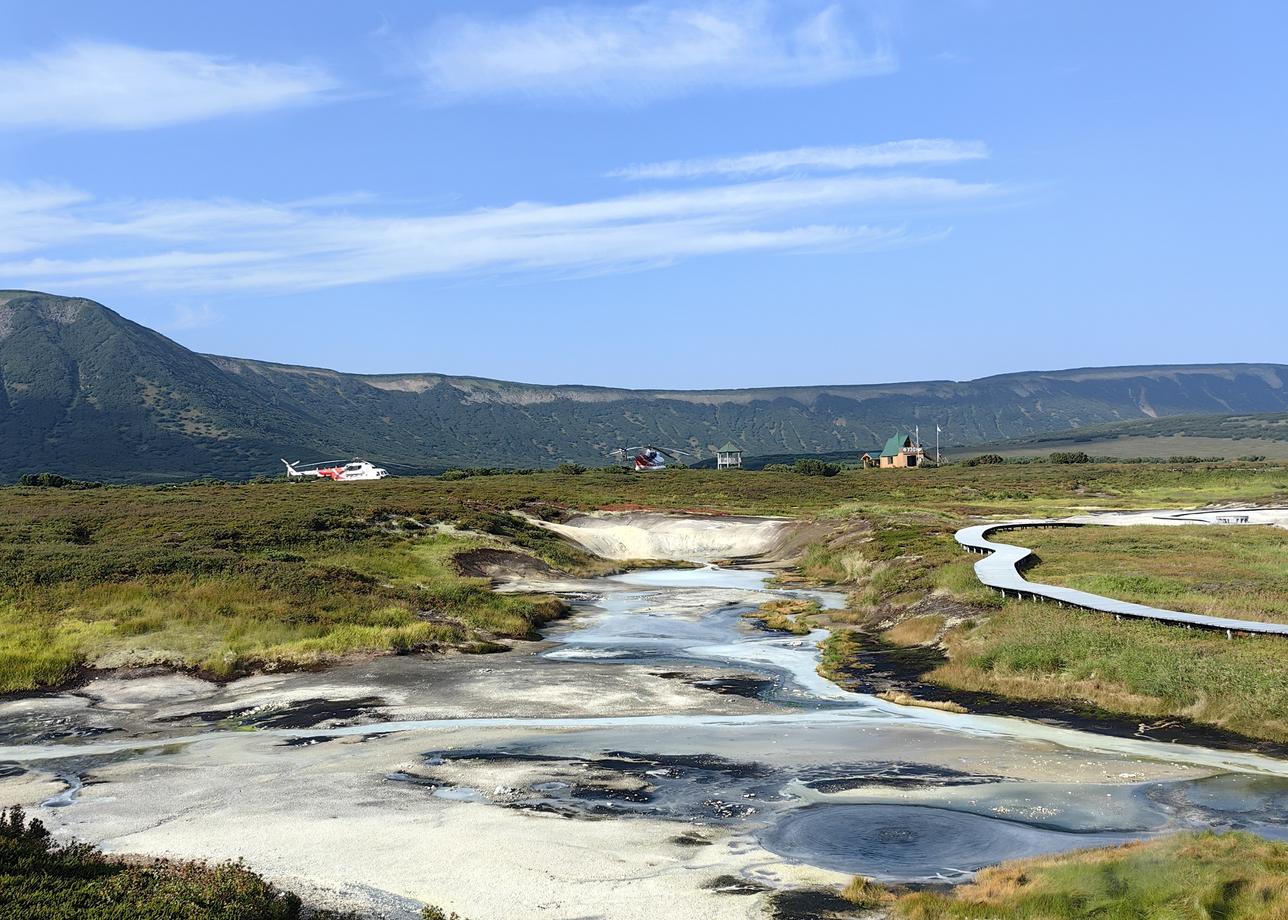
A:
{"x":999,"y":570}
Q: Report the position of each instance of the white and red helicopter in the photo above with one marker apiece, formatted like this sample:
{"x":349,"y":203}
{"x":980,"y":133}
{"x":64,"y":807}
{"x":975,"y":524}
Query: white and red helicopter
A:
{"x":353,"y":471}
{"x":649,"y":459}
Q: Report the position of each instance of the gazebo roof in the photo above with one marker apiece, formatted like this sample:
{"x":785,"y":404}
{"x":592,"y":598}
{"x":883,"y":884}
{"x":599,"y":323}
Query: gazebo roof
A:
{"x":730,"y":448}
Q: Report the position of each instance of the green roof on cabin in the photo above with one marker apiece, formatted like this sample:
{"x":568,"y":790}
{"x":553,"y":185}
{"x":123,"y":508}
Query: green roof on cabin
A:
{"x":895,"y":444}
{"x":730,"y":448}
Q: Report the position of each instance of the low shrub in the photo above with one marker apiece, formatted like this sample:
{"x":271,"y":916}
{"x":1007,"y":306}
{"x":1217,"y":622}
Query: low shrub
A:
{"x":865,"y":894}
{"x":808,"y":467}
{"x":75,"y":881}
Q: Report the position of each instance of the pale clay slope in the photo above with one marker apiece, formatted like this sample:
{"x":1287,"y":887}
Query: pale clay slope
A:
{"x":691,"y":538}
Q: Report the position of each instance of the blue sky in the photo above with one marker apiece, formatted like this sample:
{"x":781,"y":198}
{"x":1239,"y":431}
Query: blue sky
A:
{"x":687,"y":194}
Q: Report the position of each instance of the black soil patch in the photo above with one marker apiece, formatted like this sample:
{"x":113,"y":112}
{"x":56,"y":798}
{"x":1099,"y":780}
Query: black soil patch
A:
{"x":42,"y":730}
{"x":889,"y":775}
{"x":810,"y":904}
{"x":686,"y":787}
{"x":883,"y":666}
{"x":618,"y":761}
{"x":307,"y":713}
{"x":745,"y":685}
{"x":732,"y":884}
{"x":690,"y":840}
{"x":705,"y":763}
{"x":416,"y":779}
{"x":501,"y":563}
{"x":595,"y":792}
{"x":308,"y":741}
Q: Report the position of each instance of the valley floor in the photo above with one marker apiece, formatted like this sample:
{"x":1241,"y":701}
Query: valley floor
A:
{"x":645,"y":752}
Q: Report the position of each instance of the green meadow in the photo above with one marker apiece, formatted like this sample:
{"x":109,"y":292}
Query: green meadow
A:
{"x":1205,"y":876}
{"x":225,"y":579}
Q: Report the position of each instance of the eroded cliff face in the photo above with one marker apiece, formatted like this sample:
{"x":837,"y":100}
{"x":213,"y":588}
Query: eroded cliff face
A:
{"x":688,"y":537}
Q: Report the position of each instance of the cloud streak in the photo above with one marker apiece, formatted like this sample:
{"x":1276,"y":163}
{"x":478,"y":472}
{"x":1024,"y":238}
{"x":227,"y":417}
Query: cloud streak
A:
{"x":58,"y":237}
{"x":838,"y":159}
{"x":649,"y":50}
{"x":97,"y":85}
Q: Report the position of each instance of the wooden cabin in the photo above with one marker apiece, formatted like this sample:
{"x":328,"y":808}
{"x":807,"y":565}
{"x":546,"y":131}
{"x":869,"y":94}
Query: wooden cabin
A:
{"x":901,"y":452}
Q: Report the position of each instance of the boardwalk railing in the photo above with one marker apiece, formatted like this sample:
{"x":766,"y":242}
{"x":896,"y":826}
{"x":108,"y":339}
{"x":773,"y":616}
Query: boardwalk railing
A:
{"x":999,"y":570}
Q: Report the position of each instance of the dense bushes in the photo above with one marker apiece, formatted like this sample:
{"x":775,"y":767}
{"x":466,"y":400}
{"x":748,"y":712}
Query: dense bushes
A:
{"x":54,"y":481}
{"x":806,"y":467}
{"x":456,"y":473}
{"x":1070,"y":456}
{"x":985,"y":460}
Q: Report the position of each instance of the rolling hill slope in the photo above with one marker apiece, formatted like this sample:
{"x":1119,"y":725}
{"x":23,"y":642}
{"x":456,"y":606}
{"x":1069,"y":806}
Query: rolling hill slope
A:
{"x":90,"y":394}
{"x":1228,"y":436}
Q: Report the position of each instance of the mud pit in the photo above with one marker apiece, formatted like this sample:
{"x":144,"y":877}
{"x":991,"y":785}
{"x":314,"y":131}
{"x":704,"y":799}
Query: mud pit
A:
{"x":598,"y":773}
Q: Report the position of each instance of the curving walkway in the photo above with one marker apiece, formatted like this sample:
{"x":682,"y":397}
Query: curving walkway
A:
{"x":999,"y":570}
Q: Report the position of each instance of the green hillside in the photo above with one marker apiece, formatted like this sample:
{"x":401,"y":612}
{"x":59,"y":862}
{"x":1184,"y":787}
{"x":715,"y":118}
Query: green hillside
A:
{"x":86,"y":393}
{"x":1229,"y":436}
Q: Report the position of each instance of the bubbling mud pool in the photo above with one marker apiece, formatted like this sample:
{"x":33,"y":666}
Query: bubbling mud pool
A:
{"x":657,"y":740}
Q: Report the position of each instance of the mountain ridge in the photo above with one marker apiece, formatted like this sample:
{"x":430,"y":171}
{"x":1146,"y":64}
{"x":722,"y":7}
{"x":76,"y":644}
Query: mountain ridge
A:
{"x":1155,"y":371}
{"x":88,"y":393}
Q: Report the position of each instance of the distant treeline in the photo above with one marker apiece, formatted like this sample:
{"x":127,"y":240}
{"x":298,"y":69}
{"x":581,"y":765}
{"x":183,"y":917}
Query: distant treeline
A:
{"x":54,"y":481}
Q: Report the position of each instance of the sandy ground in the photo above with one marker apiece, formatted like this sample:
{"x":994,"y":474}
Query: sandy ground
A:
{"x":325,"y":822}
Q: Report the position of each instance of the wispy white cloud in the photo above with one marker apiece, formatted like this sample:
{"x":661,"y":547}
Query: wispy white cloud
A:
{"x":661,"y":48}
{"x":115,"y":86}
{"x":837,"y":159}
{"x":70,"y":241}
{"x":192,"y":316}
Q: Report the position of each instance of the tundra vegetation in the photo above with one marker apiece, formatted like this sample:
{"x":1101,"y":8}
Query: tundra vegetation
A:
{"x":789,"y":615}
{"x":227,"y":579}
{"x":1221,"y":571}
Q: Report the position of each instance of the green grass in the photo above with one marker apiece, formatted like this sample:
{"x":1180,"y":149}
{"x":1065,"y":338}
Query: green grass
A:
{"x":789,"y":615}
{"x":227,"y":579}
{"x":1222,"y":571}
{"x":1207,"y":876}
{"x":902,"y":561}
{"x":1028,"y":650}
{"x":1039,"y":651}
{"x":865,"y":894}
{"x":838,"y":653}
